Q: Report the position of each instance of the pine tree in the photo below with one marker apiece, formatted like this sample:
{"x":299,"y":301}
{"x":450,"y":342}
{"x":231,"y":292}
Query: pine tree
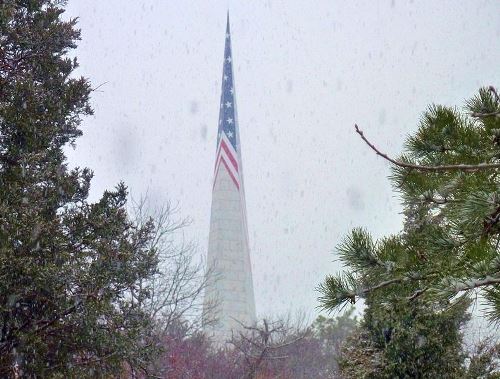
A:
{"x":448,"y":248}
{"x":448,"y":180}
{"x":69,"y":269}
{"x":400,"y":336}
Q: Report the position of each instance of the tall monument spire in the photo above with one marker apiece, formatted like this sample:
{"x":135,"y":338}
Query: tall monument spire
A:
{"x":229,"y":297}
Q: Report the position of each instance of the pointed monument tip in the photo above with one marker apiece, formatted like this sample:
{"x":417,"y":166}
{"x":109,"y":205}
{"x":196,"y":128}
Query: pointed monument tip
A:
{"x":227,"y":24}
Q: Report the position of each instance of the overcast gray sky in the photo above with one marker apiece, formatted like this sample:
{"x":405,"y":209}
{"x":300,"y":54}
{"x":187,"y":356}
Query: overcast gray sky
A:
{"x":305,"y":72}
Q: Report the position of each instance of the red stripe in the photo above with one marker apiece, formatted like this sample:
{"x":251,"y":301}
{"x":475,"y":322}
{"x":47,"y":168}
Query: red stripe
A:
{"x":228,"y":170}
{"x":230,"y":173}
{"x":231,"y":158}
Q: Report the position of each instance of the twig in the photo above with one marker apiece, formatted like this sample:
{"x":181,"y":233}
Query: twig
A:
{"x":490,"y":114}
{"x":99,"y":86}
{"x":364,"y":291}
{"x":417,"y":293}
{"x":459,"y":167}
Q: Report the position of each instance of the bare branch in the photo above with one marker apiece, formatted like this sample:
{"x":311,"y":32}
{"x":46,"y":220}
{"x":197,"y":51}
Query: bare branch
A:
{"x":99,"y":86}
{"x":459,"y":167}
{"x":175,"y":291}
{"x":267,"y":341}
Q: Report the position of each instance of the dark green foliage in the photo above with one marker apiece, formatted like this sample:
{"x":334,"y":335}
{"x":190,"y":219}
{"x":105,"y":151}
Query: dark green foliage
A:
{"x":409,"y":342}
{"x":449,"y":243}
{"x":417,"y":283}
{"x":68,"y":268}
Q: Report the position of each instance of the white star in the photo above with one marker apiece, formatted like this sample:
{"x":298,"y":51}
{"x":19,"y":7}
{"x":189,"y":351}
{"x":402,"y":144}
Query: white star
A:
{"x":228,"y":59}
{"x":232,"y":91}
{"x":228,"y":104}
{"x":225,"y":77}
{"x":221,"y":105}
{"x":220,"y":135}
{"x":230,"y":134}
{"x":227,"y":35}
{"x":220,"y":122}
{"x":229,"y":120}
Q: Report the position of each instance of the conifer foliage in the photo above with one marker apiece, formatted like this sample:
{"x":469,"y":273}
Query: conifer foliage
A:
{"x":418,"y":283}
{"x":69,"y":269}
{"x":448,"y":180}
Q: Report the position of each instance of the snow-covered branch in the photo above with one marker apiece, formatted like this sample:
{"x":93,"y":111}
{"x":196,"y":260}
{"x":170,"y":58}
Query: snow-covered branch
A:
{"x":458,"y":285}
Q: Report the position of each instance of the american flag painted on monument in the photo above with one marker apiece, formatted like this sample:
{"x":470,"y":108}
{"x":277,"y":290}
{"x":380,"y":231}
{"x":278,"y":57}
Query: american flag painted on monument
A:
{"x":228,"y":139}
{"x":228,"y":255}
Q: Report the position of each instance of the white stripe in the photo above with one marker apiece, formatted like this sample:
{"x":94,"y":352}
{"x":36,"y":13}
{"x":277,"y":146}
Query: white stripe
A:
{"x":230,"y":148}
{"x":223,"y":154}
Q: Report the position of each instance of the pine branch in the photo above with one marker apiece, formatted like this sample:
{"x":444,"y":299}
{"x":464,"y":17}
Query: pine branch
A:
{"x":417,"y":293}
{"x":358,"y":251}
{"x":459,"y":167}
{"x":338,"y":290}
{"x":365,"y":291}
{"x":489,"y":114}
{"x":466,"y":285}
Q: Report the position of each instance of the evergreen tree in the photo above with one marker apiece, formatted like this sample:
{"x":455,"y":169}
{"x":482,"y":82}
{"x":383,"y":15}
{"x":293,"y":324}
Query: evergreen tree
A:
{"x":421,"y":278}
{"x":69,"y":269}
{"x":448,"y":179}
{"x":399,"y":337}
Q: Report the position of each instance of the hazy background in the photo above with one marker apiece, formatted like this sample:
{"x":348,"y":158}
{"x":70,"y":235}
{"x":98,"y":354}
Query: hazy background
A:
{"x":305,"y":73}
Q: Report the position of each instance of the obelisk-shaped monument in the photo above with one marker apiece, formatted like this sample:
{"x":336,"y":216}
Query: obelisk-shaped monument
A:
{"x":229,"y":297}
